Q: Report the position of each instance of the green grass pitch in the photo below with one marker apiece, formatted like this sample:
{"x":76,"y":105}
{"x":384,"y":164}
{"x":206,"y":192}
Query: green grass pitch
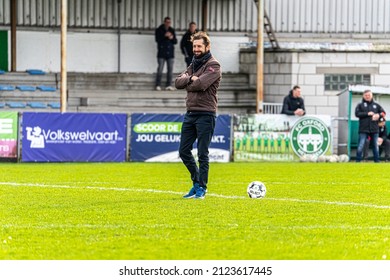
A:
{"x":134,"y":211}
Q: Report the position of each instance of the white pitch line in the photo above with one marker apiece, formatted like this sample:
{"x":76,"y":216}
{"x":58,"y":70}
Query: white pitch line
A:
{"x":167,"y":226}
{"x":338,"y":203}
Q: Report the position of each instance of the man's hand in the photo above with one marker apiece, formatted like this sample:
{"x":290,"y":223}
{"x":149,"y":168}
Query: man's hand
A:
{"x":169,"y":35}
{"x":299,"y":112}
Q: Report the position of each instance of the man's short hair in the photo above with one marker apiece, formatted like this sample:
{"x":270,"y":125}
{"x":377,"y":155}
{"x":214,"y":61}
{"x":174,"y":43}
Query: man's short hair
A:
{"x":295,"y":87}
{"x":201,"y":36}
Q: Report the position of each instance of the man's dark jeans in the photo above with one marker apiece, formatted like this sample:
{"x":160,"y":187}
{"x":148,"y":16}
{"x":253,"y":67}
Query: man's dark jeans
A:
{"x":160,"y":68}
{"x":362,"y":140}
{"x":197,"y":125}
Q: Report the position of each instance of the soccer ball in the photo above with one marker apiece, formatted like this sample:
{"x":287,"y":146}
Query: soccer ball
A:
{"x":256,"y":189}
{"x":343,"y":158}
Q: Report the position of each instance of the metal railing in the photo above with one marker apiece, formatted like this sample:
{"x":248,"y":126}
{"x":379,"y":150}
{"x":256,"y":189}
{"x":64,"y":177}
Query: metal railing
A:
{"x":272,"y":108}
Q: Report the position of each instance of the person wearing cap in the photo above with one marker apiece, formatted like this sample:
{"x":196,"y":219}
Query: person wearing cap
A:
{"x":368,"y":112}
{"x":383,"y":140}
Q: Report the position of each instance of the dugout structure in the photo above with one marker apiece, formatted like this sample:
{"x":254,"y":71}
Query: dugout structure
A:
{"x":348,"y":128}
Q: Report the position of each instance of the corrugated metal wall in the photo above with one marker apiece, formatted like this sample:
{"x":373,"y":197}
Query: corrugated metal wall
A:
{"x":224,"y":15}
{"x":329,"y":16}
{"x":318,"y":16}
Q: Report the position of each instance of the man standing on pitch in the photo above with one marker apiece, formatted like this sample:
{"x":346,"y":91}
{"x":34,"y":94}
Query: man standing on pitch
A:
{"x":201,"y":81}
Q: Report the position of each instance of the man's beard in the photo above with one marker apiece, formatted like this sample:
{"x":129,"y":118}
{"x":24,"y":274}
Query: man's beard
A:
{"x":200,"y":55}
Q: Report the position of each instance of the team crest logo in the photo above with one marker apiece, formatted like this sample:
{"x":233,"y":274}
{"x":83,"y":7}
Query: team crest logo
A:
{"x":310,"y":136}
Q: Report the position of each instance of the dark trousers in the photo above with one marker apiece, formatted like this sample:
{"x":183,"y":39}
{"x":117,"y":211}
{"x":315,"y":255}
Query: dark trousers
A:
{"x":385,"y":146}
{"x":197,"y":126}
{"x":160,"y":68}
{"x":362,"y":142}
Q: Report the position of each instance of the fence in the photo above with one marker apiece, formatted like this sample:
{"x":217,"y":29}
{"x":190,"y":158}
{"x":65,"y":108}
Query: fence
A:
{"x":272,"y":108}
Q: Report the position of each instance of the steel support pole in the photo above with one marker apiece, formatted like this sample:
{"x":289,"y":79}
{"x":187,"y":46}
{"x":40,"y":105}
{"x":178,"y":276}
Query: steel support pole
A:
{"x":14,"y":14}
{"x":119,"y":36}
{"x":260,"y":57}
{"x":204,"y":15}
{"x":64,"y":23}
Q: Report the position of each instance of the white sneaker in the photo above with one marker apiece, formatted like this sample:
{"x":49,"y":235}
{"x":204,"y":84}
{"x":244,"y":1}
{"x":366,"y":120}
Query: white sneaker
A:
{"x":170,"y":88}
{"x":158,"y":88}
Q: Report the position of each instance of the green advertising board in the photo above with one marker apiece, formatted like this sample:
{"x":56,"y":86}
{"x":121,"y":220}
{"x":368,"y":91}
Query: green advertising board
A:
{"x":4,"y":50}
{"x":8,"y":135}
{"x":259,"y":137}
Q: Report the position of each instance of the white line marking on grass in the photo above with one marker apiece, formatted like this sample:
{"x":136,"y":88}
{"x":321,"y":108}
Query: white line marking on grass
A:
{"x":338,"y":203}
{"x":87,"y":187}
{"x":330,"y":227}
{"x":168,"y":226}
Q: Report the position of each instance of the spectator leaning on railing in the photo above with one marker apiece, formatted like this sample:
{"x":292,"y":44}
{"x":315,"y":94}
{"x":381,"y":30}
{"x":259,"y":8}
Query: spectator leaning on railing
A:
{"x":293,"y":103}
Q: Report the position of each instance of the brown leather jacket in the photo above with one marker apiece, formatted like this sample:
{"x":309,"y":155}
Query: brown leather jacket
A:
{"x":202,"y":93}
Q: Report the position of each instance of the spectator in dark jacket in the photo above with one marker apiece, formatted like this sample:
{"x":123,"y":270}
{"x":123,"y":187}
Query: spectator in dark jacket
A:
{"x":186,"y":43}
{"x":383,"y":140}
{"x":293,"y":103}
{"x":166,"y":39}
{"x":368,"y":113}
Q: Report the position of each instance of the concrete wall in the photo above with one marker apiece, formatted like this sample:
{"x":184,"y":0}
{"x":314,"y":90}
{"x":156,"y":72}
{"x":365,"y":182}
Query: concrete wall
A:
{"x":98,"y":52}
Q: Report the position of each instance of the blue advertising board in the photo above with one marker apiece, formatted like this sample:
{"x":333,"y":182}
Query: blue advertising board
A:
{"x":73,"y":137}
{"x":156,"y":138}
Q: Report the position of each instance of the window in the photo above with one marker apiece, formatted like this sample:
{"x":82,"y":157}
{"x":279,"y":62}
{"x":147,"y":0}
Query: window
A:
{"x":339,"y":82}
